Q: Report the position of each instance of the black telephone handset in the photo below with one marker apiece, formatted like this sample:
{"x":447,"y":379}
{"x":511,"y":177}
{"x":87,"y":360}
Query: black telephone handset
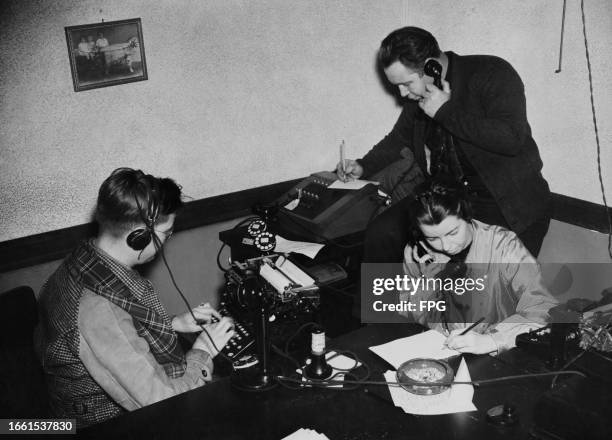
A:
{"x":421,"y":249}
{"x":434,"y":69}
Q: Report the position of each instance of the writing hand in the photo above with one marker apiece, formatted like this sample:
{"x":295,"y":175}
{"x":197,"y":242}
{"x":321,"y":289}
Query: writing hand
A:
{"x":471,"y":342}
{"x":434,"y":98}
{"x":350,"y":170}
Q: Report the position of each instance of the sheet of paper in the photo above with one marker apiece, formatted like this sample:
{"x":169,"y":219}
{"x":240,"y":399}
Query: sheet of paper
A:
{"x":306,"y":434}
{"x":301,"y":247}
{"x":429,"y":344}
{"x":295,"y":273}
{"x":457,"y":399}
{"x":352,"y":184}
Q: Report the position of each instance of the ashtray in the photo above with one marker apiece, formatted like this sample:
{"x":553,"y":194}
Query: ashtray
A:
{"x":425,"y":376}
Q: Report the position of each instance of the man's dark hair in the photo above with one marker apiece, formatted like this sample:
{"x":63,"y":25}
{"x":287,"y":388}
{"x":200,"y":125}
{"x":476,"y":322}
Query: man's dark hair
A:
{"x":437,"y":199}
{"x":126,"y":196}
{"x":410,"y":45}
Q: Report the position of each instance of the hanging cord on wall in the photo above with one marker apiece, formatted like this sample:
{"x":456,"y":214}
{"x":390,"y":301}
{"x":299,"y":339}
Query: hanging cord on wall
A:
{"x":561,"y":40}
{"x":601,"y":184}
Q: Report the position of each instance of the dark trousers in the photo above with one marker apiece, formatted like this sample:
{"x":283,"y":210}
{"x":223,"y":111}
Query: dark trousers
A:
{"x":388,"y":234}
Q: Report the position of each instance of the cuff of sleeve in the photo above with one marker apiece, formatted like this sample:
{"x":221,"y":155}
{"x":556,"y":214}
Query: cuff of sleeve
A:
{"x":366,"y":171}
{"x":200,"y":360}
{"x":500,"y":343}
{"x":443,"y":113}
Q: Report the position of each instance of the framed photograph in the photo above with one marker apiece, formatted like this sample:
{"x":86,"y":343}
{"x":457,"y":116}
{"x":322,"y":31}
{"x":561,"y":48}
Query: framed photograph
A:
{"x":106,"y":54}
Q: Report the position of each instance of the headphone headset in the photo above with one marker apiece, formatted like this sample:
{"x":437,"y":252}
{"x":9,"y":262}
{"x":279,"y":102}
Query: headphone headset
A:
{"x":140,"y":238}
{"x":434,"y":69}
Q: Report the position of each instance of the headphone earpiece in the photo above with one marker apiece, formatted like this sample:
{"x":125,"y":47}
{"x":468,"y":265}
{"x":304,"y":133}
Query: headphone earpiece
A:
{"x":139,"y":239}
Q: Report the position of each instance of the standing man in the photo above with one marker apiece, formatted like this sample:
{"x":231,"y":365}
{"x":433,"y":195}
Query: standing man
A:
{"x":106,"y":342}
{"x":486,"y":142}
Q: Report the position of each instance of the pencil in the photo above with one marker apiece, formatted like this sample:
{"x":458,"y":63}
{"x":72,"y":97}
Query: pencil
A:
{"x":471,"y":327}
{"x":342,"y":156}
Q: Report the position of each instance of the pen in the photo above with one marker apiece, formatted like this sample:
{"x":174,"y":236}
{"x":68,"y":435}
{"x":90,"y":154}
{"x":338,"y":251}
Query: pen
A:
{"x":471,"y":327}
{"x":342,"y":158}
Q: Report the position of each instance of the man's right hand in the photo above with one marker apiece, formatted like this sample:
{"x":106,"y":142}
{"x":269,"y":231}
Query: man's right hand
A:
{"x":349,"y":170}
{"x":220,"y":332}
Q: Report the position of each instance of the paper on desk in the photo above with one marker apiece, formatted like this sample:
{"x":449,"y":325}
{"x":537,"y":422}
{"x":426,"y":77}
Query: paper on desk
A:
{"x":351,"y":184}
{"x":429,"y":344}
{"x":301,"y":247}
{"x":457,"y":399}
{"x":306,"y":434}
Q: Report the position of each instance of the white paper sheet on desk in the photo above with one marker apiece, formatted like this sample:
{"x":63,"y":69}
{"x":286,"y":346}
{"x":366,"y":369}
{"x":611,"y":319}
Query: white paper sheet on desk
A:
{"x":306,"y":434}
{"x":351,"y":184}
{"x":429,"y":344}
{"x":457,"y":399}
{"x":301,"y":247}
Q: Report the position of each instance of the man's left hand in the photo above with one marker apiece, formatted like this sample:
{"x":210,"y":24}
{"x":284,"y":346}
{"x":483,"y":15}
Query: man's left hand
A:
{"x":185,"y":324}
{"x":434,"y":98}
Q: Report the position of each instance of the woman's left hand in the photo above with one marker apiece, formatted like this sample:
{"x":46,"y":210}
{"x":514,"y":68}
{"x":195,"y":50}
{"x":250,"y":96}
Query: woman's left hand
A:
{"x":471,"y":342}
{"x":203,"y":313}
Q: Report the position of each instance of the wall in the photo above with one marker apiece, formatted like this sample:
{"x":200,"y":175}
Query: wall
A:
{"x":240,"y":94}
{"x":190,"y":255}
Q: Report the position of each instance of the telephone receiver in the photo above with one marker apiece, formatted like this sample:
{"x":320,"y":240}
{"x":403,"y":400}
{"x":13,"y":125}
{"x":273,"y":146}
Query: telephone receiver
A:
{"x":421,"y":250}
{"x":434,"y":69}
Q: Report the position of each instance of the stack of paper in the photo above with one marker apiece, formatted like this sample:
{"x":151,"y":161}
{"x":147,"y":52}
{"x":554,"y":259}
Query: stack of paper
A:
{"x":429,"y":344}
{"x":306,"y":434}
{"x":457,"y":399}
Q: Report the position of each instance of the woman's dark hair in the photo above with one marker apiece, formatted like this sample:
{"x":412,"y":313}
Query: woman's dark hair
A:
{"x":435,"y":200}
{"x":130,"y":197}
{"x":410,"y":45}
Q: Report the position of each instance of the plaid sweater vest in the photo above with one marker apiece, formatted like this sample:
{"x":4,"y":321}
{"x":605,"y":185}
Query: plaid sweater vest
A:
{"x":73,"y":392}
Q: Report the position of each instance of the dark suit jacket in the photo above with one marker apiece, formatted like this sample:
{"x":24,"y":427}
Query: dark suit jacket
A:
{"x":487,"y":117}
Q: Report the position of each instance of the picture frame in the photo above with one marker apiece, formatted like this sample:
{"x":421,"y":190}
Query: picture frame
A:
{"x":106,"y":54}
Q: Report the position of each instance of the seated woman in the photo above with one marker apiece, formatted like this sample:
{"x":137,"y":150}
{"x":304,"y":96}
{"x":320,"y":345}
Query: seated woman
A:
{"x":506,"y":289}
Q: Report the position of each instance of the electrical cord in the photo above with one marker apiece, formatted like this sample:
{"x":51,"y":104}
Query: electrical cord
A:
{"x":160,"y":249}
{"x":339,"y":372}
{"x":599,"y":173}
{"x":324,"y":383}
{"x":297,"y":332}
{"x":241,"y":223}
{"x":219,"y":265}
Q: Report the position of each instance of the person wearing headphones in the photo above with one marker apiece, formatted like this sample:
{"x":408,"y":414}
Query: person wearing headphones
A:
{"x":463,"y":116}
{"x":106,"y":342}
{"x":494,"y":278}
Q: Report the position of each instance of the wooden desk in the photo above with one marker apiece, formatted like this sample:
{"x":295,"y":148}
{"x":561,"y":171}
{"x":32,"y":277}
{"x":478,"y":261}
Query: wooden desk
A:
{"x":217,"y":411}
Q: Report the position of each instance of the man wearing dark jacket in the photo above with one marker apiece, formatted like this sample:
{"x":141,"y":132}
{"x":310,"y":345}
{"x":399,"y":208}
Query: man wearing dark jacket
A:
{"x":472,"y":127}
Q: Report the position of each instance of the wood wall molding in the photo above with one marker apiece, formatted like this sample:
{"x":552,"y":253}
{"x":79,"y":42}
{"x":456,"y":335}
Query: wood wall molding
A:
{"x":53,"y":245}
